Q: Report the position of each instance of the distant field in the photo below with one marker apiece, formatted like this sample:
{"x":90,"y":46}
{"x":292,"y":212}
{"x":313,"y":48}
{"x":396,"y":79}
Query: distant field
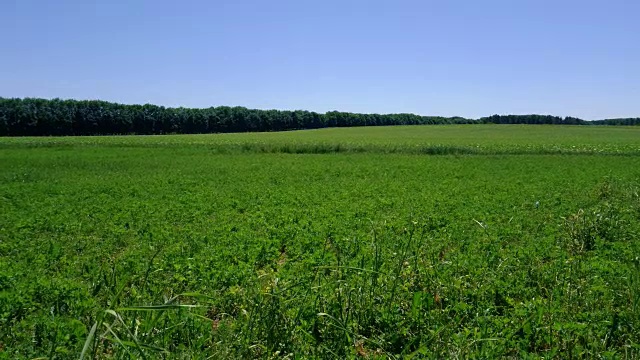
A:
{"x":483,"y":139}
{"x":515,"y":241}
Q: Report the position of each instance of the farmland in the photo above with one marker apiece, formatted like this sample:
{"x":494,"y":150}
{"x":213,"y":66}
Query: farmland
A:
{"x":393,"y":242}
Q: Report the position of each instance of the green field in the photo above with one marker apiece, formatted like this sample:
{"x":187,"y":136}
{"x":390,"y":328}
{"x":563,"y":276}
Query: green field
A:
{"x":433,"y":139}
{"x":393,"y":242}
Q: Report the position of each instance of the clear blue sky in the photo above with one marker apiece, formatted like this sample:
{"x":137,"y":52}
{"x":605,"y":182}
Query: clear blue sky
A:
{"x":470,"y":58}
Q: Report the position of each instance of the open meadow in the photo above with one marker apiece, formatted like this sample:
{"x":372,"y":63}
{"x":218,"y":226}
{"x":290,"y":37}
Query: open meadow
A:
{"x":442,"y":241}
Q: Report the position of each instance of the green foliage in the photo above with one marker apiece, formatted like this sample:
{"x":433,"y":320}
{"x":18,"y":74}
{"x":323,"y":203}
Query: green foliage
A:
{"x":56,"y":117}
{"x":208,"y":247}
{"x":555,"y":120}
{"x":42,"y":117}
{"x":605,"y":222}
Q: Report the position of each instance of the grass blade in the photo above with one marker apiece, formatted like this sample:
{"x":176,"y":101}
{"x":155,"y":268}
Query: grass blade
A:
{"x":87,"y":343}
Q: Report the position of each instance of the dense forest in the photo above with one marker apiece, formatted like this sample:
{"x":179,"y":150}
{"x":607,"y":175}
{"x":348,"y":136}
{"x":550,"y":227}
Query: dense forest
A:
{"x":549,"y":119}
{"x":43,"y":117}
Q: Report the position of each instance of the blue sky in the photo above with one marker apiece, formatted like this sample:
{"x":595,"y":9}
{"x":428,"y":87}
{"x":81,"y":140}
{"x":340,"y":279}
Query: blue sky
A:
{"x":466,"y":58}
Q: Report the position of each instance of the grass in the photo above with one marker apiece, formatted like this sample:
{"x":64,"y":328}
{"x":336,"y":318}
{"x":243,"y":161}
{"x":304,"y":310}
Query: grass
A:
{"x":230,"y":246}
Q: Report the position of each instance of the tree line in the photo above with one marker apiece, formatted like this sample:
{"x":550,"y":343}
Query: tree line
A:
{"x":55,"y":117}
{"x":553,"y":120}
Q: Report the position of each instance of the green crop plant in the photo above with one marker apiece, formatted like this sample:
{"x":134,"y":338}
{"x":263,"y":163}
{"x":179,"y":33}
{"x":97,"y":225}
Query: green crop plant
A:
{"x":425,"y":242}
